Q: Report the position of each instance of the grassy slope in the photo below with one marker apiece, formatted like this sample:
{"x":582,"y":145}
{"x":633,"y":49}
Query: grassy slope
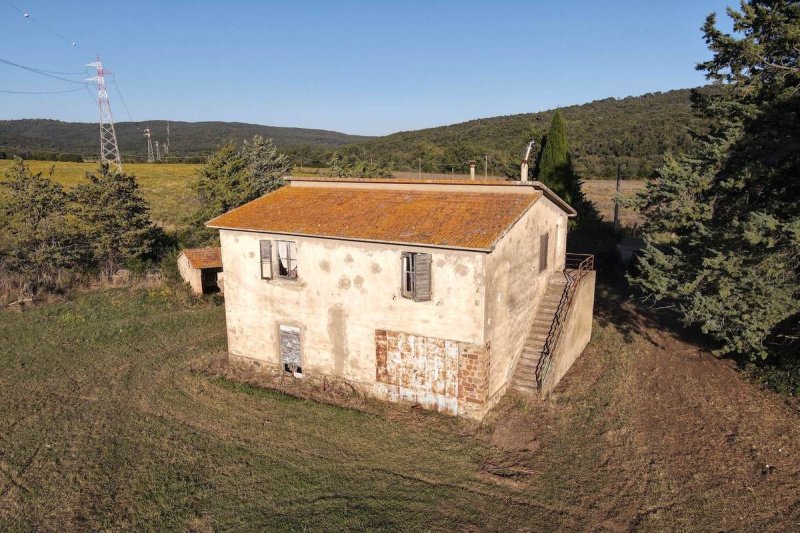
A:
{"x":104,"y":425}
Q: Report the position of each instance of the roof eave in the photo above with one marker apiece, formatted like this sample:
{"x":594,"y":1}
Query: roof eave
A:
{"x":556,"y":199}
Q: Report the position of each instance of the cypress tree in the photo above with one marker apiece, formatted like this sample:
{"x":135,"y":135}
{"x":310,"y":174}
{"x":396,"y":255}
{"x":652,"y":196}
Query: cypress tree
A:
{"x":555,"y":162}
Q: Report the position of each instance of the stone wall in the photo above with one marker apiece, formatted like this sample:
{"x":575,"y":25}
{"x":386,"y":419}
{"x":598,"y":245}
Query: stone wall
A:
{"x":576,"y":333}
{"x":514,"y":286}
{"x":190,"y":275}
{"x":439,"y":374}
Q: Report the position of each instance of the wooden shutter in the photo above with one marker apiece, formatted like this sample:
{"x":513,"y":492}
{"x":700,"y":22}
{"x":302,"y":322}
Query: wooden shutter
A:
{"x":266,"y":259}
{"x":422,"y":277}
{"x":544,"y":244}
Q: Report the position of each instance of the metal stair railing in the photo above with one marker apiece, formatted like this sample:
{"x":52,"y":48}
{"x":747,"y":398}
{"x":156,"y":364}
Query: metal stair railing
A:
{"x":576,"y":266}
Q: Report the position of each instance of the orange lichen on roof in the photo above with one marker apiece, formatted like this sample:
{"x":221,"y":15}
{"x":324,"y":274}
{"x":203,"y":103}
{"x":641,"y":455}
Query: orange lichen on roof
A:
{"x":435,"y":218}
{"x":210,"y":257}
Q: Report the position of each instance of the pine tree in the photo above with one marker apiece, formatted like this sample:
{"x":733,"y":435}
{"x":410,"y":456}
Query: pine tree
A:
{"x":234,"y":176}
{"x":116,"y":218}
{"x":41,"y":240}
{"x":555,"y":162}
{"x":265,"y":167}
{"x":722,"y":224}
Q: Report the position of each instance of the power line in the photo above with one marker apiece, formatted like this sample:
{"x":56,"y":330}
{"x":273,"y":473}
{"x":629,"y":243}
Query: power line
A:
{"x":121,"y":99}
{"x":42,"y":92}
{"x":41,"y":24}
{"x":40,"y":71}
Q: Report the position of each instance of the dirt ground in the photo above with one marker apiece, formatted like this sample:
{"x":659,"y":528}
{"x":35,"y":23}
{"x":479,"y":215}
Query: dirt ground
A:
{"x":677,"y":439}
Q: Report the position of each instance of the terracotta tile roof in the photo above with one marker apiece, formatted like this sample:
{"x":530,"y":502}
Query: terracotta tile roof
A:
{"x":210,"y":257}
{"x":434,"y":218}
{"x":434,"y":181}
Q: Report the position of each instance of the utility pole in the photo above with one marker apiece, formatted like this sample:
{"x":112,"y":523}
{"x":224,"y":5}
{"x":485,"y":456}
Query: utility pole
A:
{"x":150,"y":157}
{"x":616,"y":197}
{"x":419,"y":168}
{"x":109,"y":150}
{"x":166,"y":144}
{"x":486,"y":166}
{"x":158,"y":153}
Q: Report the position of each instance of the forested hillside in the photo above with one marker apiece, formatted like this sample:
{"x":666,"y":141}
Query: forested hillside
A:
{"x":188,"y":140}
{"x":635,"y":131}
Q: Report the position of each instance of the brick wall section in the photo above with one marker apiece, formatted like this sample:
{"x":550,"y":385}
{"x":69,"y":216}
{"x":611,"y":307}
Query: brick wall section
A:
{"x":429,"y":365}
{"x":473,"y":375}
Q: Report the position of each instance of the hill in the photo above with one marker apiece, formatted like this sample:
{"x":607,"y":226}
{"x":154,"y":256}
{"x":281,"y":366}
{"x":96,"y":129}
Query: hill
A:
{"x":635,"y":131}
{"x":187,"y":139}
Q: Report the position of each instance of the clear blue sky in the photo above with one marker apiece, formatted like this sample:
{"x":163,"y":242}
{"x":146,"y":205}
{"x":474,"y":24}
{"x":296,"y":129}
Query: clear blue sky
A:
{"x":365,"y":67}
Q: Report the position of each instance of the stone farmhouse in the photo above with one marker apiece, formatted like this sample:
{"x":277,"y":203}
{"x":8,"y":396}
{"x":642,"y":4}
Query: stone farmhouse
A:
{"x":441,"y":293}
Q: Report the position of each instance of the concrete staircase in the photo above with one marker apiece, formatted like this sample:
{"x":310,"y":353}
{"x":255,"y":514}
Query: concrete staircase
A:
{"x":524,"y":378}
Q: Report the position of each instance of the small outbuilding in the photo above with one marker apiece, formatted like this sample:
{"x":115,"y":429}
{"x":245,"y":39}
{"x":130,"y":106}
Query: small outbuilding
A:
{"x":201,"y":268}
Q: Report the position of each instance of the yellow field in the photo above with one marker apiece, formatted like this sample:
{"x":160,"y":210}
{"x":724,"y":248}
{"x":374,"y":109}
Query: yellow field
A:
{"x":167,"y":187}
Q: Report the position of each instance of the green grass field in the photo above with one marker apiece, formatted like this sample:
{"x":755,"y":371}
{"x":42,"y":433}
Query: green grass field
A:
{"x":107,"y":422}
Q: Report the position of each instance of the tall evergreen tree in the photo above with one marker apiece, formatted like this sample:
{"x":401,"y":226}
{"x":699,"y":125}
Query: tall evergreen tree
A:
{"x":234,"y":176}
{"x":722,"y":224}
{"x":116,"y":219}
{"x":555,"y":162}
{"x":41,"y":240}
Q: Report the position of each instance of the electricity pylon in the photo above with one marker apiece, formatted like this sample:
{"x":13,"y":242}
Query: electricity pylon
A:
{"x":150,"y":157}
{"x":158,"y":153}
{"x":109,"y":151}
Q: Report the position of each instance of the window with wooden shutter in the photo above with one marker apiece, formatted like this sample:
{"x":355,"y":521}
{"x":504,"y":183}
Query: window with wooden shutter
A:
{"x":287,"y":259}
{"x":416,"y":272}
{"x":544,"y":252}
{"x":422,"y":277}
{"x":266,"y":259}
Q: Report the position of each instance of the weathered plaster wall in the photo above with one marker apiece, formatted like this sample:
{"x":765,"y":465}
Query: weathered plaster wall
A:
{"x":514,"y":287}
{"x":576,"y":333}
{"x":345,"y":292}
{"x":190,"y":275}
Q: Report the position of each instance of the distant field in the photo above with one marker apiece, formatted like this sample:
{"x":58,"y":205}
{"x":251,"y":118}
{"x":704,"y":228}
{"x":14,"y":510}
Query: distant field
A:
{"x":602,"y":193}
{"x":167,"y":187}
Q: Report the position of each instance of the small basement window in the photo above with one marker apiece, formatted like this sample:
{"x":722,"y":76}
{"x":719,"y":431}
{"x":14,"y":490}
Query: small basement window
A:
{"x":416,"y":281}
{"x":287,"y":259}
{"x":290,"y":350}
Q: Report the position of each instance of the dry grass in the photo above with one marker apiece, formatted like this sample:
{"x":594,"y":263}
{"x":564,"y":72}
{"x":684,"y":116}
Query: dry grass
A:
{"x":603,"y":192}
{"x":165,"y":186}
{"x":105,"y":424}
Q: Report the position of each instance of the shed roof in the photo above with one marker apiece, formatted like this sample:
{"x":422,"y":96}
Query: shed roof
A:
{"x":446,"y":219}
{"x":199,"y":258}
